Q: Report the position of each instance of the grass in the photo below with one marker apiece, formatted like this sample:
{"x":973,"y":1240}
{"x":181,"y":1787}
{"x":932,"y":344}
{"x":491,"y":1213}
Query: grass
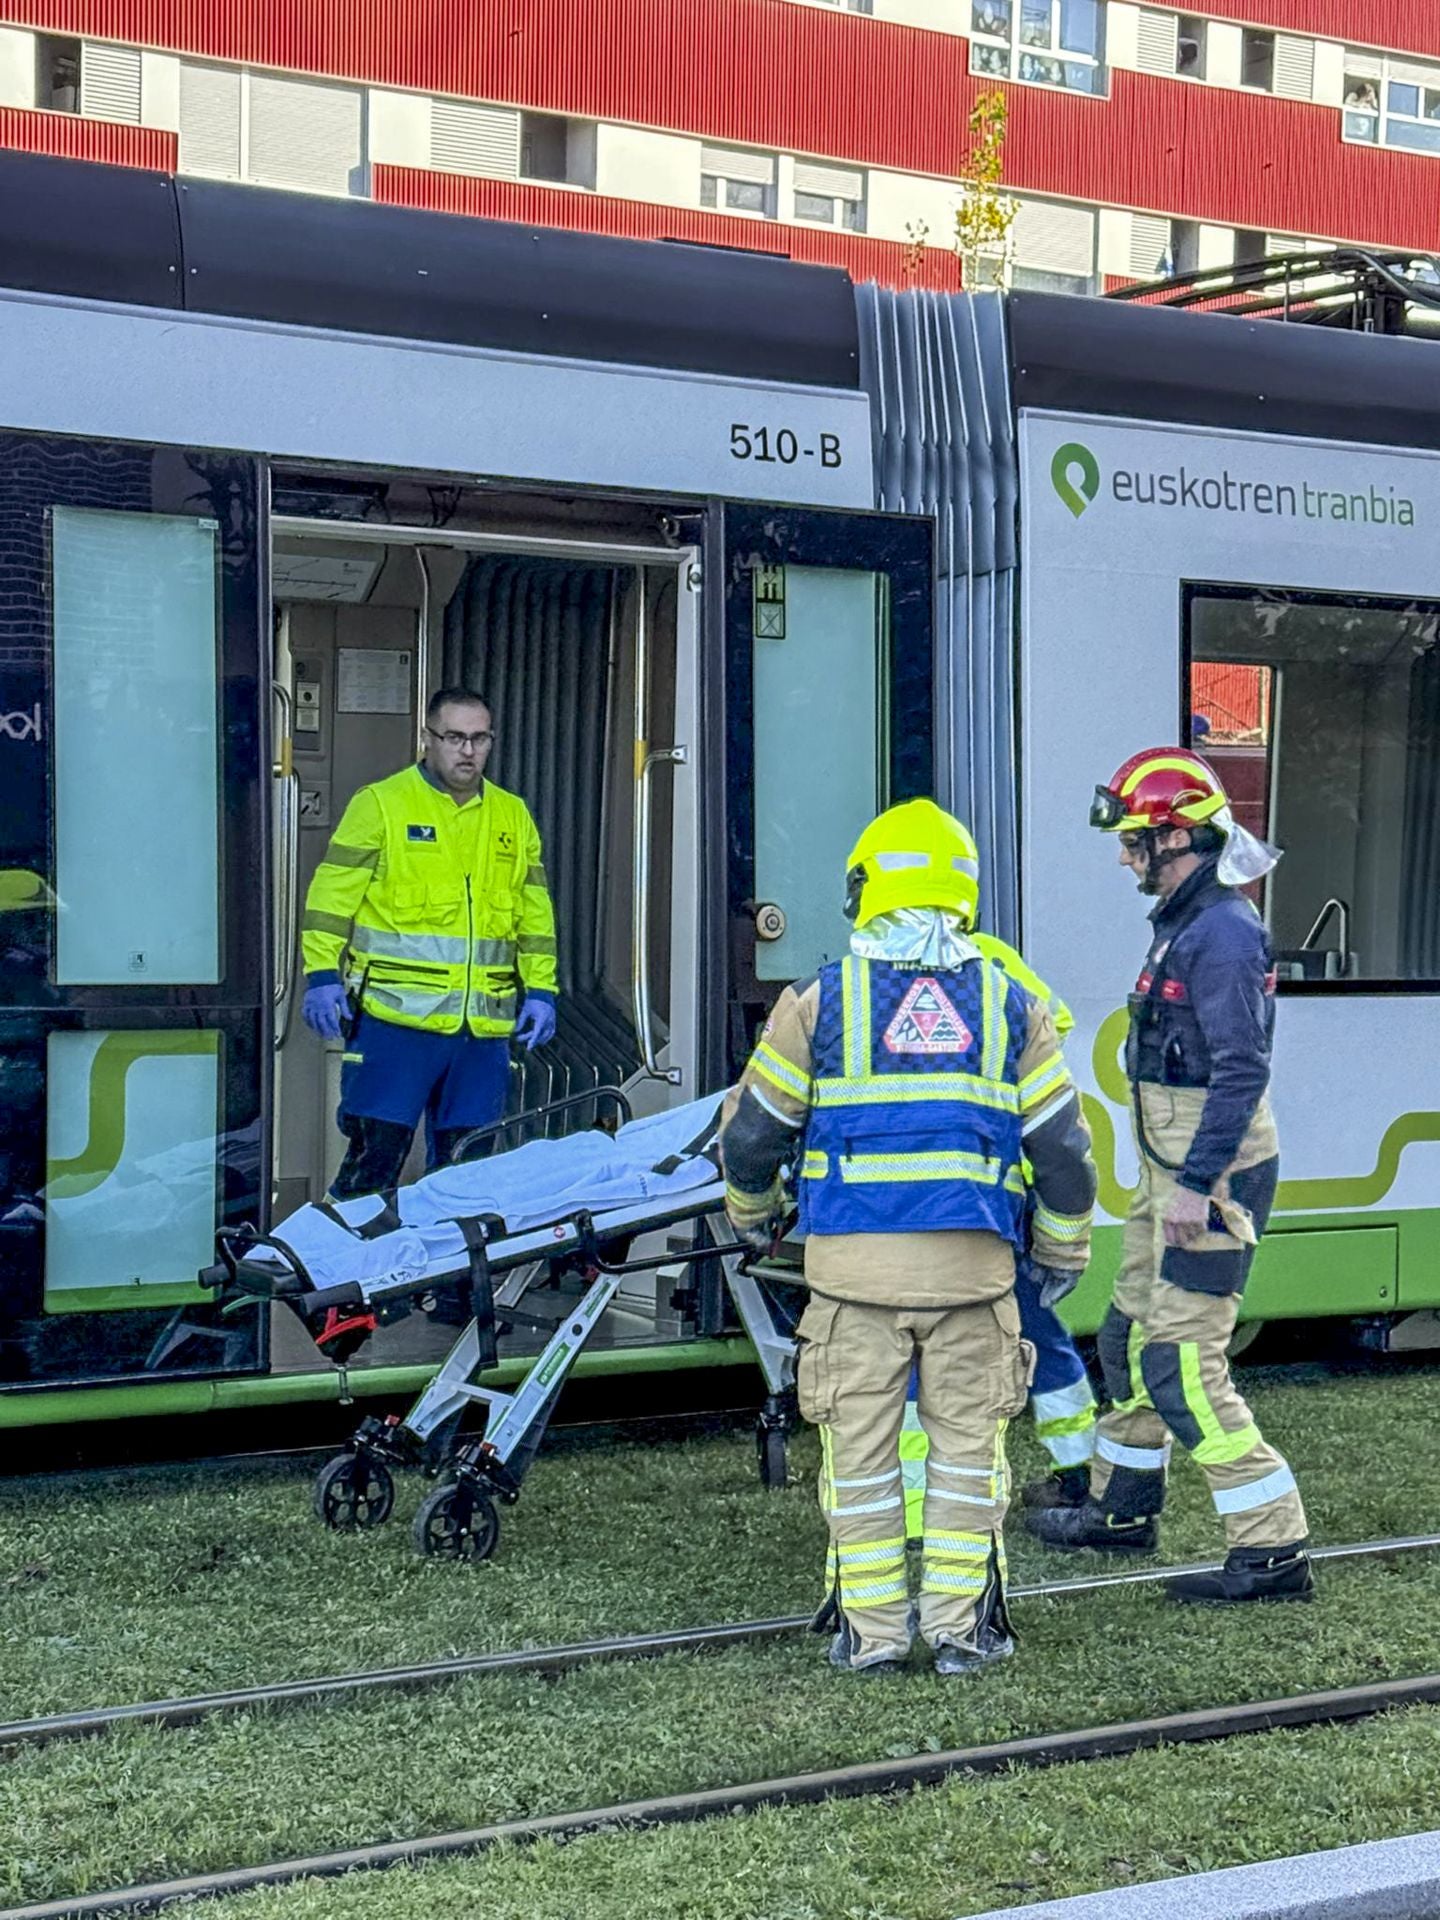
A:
{"x":963,"y":1848}
{"x":160,"y":1581}
{"x":134,"y":1584}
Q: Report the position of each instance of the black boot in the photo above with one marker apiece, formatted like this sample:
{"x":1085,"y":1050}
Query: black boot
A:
{"x":1250,"y":1573}
{"x":844,"y":1647}
{"x":1091,"y":1525}
{"x":992,"y":1637}
{"x":1064,"y":1487}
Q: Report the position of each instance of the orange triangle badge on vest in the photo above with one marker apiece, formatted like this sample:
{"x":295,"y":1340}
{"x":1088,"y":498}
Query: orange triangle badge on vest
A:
{"x":926,"y":1022}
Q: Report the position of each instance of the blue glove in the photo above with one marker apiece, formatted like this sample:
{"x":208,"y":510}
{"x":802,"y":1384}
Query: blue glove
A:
{"x":324,"y":1008}
{"x":536,"y":1024}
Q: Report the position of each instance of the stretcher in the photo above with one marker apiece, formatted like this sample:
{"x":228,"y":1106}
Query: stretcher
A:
{"x":498,"y":1229}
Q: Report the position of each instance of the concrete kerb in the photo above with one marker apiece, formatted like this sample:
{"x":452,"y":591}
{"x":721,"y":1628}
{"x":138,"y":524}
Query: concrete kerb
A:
{"x":1384,"y":1880}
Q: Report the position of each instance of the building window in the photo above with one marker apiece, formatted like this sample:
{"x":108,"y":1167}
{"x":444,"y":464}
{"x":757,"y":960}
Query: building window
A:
{"x":1183,"y":253}
{"x":274,"y":129}
{"x":1047,"y":43}
{"x":557,"y":149}
{"x":830,"y":196}
{"x":1392,"y":102}
{"x":735,"y":180}
{"x":1190,"y":47}
{"x":1050,"y":280}
{"x":57,"y":73}
{"x":1257,"y":60}
{"x":1323,"y":717}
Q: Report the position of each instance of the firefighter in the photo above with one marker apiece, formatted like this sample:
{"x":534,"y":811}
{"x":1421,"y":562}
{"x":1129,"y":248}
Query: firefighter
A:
{"x":1062,"y":1401}
{"x":906,"y":1085}
{"x":432,"y":902}
{"x":1202,"y":1019}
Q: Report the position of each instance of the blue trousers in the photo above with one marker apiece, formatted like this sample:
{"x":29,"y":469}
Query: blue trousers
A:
{"x":1062,"y":1401}
{"x":398,"y":1075}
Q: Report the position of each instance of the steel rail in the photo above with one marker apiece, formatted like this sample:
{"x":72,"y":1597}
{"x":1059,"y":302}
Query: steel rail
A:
{"x":186,"y":1710}
{"x":802,"y":1789}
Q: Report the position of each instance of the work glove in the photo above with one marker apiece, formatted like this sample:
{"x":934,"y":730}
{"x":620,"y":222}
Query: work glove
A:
{"x":536,"y":1024}
{"x":1053,"y":1284}
{"x":757,"y":1236}
{"x":324,"y":1010}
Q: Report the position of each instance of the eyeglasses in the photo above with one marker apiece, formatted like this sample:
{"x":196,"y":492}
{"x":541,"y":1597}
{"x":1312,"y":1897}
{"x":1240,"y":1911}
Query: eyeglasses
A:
{"x":1132,"y":842}
{"x":455,"y":741}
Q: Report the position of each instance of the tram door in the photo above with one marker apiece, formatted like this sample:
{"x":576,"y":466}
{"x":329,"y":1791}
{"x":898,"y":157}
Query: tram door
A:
{"x":829,"y":664}
{"x":588,"y":659}
{"x":134,"y":1011}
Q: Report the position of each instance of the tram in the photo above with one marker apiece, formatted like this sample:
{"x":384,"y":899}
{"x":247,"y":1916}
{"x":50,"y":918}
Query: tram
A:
{"x":740,"y":552}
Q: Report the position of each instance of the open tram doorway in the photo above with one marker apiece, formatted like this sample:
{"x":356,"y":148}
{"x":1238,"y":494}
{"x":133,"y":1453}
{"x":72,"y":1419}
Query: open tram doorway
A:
{"x":585,"y":648}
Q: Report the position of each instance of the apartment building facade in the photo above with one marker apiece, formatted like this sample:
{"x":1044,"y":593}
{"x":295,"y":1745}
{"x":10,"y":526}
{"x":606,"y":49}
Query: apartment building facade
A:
{"x":1140,"y":137}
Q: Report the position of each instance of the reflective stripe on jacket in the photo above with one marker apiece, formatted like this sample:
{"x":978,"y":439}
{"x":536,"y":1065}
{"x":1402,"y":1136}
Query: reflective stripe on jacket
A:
{"x":435,"y":918}
{"x":915,"y":1124}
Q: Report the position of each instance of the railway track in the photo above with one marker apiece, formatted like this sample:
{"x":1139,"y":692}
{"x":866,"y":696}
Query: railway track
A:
{"x":185,"y":1710}
{"x":869,"y":1777}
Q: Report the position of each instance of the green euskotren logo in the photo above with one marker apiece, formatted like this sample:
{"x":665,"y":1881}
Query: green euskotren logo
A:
{"x":1075,"y":476}
{"x":1077,"y":493}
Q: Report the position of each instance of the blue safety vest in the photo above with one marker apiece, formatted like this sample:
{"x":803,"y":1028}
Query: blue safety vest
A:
{"x":915,"y":1123}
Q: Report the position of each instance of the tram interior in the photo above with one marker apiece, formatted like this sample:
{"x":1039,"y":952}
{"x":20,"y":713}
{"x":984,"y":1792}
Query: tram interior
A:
{"x":365,"y":629}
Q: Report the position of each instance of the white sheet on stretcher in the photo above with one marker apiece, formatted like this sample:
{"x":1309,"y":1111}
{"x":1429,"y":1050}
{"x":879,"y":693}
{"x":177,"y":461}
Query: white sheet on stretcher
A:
{"x":529,"y":1187}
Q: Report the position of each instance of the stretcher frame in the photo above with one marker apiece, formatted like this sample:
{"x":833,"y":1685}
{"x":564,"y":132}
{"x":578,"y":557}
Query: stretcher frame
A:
{"x":459,"y":1519}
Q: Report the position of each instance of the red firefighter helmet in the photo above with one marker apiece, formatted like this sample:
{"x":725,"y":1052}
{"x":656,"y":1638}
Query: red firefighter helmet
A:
{"x":1158,"y":787}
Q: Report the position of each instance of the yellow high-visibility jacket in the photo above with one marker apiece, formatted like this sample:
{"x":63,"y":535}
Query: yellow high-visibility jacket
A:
{"x":435,"y":914}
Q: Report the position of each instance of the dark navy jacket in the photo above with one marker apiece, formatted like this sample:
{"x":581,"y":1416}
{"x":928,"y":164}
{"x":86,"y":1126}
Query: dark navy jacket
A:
{"x":1203,"y":1014}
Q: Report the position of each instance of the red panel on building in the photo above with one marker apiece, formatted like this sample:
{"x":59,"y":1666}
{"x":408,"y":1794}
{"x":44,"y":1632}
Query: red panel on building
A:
{"x":809,"y":81}
{"x":884,"y":260}
{"x":79,"y":138}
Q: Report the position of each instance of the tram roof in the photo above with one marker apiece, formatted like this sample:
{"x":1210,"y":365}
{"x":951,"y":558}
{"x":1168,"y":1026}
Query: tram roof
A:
{"x":140,"y":238}
{"x":1164,"y":363}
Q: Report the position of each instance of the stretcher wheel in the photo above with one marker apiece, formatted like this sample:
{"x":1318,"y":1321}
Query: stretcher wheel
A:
{"x":774,"y":1457}
{"x":354,"y":1492}
{"x":456,"y":1522}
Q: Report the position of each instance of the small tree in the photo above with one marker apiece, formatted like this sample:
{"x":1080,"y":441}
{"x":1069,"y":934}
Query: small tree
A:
{"x":985,"y":215}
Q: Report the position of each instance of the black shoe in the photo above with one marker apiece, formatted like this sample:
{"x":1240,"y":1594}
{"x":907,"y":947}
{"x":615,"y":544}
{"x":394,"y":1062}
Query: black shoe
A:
{"x":984,"y":1650}
{"x":1065,"y":1487}
{"x":1089,"y":1525}
{"x":840,"y":1656}
{"x":844,"y":1646}
{"x":1249,"y":1573}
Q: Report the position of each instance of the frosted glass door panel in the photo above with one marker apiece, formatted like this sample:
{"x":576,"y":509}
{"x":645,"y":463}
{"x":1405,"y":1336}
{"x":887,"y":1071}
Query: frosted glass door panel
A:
{"x":820,"y":659}
{"x":132,"y":1171}
{"x":136,"y":745}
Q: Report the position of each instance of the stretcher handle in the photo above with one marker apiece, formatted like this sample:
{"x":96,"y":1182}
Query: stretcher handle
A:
{"x":232,"y":1244}
{"x":614,"y":1095}
{"x":589,"y":1250}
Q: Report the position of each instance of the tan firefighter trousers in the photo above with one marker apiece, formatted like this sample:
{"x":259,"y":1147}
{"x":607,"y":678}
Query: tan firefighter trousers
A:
{"x":1163,"y":1345}
{"x":853,"y":1374}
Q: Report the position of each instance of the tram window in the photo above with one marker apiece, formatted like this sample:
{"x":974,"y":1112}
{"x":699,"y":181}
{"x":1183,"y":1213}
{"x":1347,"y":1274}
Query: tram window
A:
{"x":822,"y":645}
{"x":1323,"y":720}
{"x":134,"y":607}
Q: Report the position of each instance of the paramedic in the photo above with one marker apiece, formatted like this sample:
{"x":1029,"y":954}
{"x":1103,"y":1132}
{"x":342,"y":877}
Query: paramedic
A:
{"x":905,"y":1085}
{"x":1202,"y":1019}
{"x":431,"y":905}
